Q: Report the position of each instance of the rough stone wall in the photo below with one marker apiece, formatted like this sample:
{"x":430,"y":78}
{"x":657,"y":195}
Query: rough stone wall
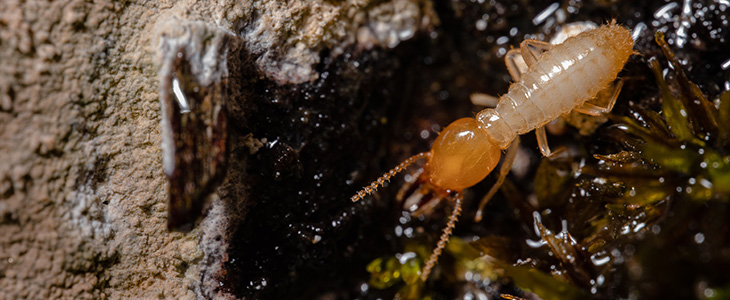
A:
{"x":82,"y":208}
{"x":82,"y":193}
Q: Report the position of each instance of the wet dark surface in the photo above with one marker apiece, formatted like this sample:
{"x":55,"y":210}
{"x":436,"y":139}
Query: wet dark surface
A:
{"x":302,"y":238}
{"x":316,"y":141}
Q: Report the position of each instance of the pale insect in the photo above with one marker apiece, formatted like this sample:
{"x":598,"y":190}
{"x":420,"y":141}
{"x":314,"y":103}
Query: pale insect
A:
{"x":559,"y":78}
{"x":585,"y":119}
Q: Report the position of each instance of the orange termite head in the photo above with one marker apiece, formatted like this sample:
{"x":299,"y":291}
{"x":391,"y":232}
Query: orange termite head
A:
{"x":461,"y":156}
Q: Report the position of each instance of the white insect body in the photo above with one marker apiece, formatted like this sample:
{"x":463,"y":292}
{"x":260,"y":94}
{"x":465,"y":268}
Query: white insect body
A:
{"x":558,"y":81}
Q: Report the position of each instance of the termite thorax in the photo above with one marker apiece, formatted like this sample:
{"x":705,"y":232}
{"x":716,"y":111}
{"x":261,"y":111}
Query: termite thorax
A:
{"x":495,"y":127}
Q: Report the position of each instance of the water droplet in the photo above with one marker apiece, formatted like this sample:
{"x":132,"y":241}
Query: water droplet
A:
{"x":638,"y":227}
{"x":543,"y":15}
{"x":699,"y":238}
{"x":598,"y":259}
{"x":535,"y":244}
{"x":481,"y":25}
{"x":408,"y":232}
{"x":182,"y":101}
{"x":403,"y":258}
{"x":726,"y":64}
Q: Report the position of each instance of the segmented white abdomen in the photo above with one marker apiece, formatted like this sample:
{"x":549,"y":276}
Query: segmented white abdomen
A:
{"x":562,"y":79}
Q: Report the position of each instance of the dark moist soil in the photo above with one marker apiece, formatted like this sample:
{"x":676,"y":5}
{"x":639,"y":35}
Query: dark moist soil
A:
{"x":302,"y":237}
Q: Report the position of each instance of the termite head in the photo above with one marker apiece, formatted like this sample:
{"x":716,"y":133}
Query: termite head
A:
{"x":461,"y":156}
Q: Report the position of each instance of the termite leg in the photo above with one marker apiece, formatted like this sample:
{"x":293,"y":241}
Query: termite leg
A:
{"x":532,"y":49}
{"x":483,"y":100}
{"x":519,"y":60}
{"x":515,"y":64}
{"x":596,"y":109}
{"x":542,"y":142}
{"x":386,"y":177}
{"x":507,"y":163}
{"x":427,"y":208}
{"x":444,"y":237}
{"x":413,"y":199}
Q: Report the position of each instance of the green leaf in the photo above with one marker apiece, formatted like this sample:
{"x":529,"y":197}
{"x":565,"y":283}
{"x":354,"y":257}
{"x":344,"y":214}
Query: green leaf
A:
{"x":384,"y":273}
{"x":645,"y":194}
{"x":552,"y":183}
{"x":672,"y":158}
{"x":724,"y":119}
{"x":673,"y":109}
{"x":718,"y":169}
{"x":701,"y":113}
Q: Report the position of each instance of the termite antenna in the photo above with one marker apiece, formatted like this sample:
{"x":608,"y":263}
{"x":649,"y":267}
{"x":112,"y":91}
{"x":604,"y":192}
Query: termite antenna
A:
{"x":444,"y":238}
{"x":386,"y":177}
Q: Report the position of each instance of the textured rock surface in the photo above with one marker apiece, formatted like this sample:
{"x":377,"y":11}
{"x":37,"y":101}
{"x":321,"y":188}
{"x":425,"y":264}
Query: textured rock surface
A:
{"x":82,"y":194}
{"x":82,"y":208}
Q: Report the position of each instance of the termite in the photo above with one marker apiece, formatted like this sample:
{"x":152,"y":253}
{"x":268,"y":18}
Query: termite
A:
{"x":560,"y":78}
{"x":586,"y":123}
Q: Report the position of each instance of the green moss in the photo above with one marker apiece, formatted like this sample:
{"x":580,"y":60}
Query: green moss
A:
{"x":686,"y":144}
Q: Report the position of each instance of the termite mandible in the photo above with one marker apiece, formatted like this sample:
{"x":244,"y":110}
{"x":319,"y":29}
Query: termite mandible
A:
{"x":560,"y":78}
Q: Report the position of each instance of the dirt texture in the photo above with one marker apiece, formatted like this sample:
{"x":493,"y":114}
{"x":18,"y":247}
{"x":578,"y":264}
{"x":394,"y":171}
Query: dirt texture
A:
{"x":82,"y":191}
